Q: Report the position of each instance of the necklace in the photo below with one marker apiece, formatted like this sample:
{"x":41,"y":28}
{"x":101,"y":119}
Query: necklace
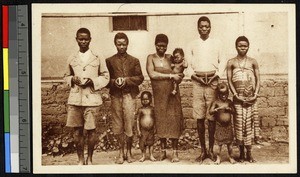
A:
{"x":239,"y":63}
{"x":161,"y":59}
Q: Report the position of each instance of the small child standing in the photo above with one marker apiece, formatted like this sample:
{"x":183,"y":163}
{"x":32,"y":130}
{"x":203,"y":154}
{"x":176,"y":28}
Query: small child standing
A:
{"x":178,"y":65}
{"x":145,"y":125}
{"x":223,"y":110}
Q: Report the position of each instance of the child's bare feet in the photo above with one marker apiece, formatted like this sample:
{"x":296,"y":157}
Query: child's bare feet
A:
{"x":175,"y":157}
{"x":152,"y":158}
{"x":120,"y":160}
{"x":142,"y":159}
{"x":163,"y":155}
{"x":218,"y":161}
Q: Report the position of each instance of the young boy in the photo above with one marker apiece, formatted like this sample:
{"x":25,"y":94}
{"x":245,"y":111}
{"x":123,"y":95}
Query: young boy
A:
{"x":86,"y":75}
{"x":178,"y":65}
{"x":223,"y":109}
{"x":145,"y":125}
{"x":244,"y":82}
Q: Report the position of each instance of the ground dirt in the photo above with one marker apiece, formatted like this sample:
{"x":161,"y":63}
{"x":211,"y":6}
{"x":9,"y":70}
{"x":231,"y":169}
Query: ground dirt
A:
{"x":265,"y":153}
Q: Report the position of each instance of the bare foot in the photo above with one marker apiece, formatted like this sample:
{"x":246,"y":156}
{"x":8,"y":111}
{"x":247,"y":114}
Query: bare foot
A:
{"x":211,"y":156}
{"x":81,"y":163}
{"x":231,"y":160}
{"x":218,"y":161}
{"x":163,"y":156}
{"x":201,"y":158}
{"x":175,"y":157}
{"x":250,"y":159}
{"x":130,"y":159}
{"x":120,"y":160}
{"x":142,"y":159}
{"x":88,"y":161}
{"x":152,"y":158}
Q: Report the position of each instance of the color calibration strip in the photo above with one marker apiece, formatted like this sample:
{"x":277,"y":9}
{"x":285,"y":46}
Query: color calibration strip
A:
{"x":6,"y":89}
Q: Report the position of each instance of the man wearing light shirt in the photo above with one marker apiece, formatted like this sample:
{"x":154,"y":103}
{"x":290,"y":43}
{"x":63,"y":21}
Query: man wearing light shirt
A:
{"x":86,"y":74}
{"x":205,"y":68}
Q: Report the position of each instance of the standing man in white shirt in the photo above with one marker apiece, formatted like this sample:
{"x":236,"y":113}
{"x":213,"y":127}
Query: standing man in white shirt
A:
{"x":205,"y":67}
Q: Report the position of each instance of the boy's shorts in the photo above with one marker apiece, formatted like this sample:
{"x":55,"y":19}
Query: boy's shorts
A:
{"x":203,"y":96}
{"x":82,"y":116}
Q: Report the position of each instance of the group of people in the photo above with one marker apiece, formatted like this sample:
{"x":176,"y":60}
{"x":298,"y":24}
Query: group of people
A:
{"x":87,"y":73}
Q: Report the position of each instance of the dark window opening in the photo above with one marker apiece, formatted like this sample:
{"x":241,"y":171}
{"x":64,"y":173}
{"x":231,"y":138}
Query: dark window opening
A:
{"x":129,"y":23}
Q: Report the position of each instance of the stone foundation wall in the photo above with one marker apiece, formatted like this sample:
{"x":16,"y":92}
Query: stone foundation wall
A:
{"x":272,"y":104}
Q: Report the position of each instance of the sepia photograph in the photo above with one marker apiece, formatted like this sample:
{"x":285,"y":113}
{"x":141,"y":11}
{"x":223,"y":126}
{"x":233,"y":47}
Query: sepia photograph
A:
{"x":164,"y":88}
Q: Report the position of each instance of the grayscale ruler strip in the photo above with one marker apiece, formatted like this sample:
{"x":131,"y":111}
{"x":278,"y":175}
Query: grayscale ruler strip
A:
{"x":13,"y":88}
{"x":23,"y":86}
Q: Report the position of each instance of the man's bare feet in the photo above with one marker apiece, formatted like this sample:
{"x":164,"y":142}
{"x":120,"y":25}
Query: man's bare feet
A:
{"x":81,"y":162}
{"x":130,"y":159}
{"x":152,"y":158}
{"x":163,"y":155}
{"x":201,"y":158}
{"x":88,"y":161}
{"x":175,"y":157}
{"x":120,"y":160}
{"x":142,"y":159}
{"x":231,"y":160}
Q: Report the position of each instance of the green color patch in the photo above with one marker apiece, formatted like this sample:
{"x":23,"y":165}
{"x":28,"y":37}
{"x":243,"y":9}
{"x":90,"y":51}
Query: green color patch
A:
{"x":6,"y":112}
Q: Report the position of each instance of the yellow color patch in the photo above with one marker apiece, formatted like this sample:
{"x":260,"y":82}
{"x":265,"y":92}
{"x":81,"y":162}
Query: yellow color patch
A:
{"x":5,"y":69}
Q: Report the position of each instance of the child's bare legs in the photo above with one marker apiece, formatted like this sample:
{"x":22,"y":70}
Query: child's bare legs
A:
{"x":218,"y":161}
{"x":230,"y":153}
{"x":163,"y":145}
{"x":142,"y":159}
{"x":128,"y":155}
{"x":175,"y":149}
{"x":201,"y":133}
{"x":211,"y":136}
{"x":79,"y":141}
{"x":152,"y":158}
{"x":175,"y":85}
{"x":91,"y":145}
{"x":249,"y":155}
{"x":242,"y":153}
{"x":120,"y":158}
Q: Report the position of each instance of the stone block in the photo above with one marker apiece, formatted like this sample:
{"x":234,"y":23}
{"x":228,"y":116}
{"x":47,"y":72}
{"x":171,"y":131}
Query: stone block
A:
{"x":286,"y":90}
{"x":282,"y":121}
{"x":187,"y":113}
{"x":278,"y":91}
{"x":271,"y":111}
{"x":280,"y":133}
{"x":280,"y":101}
{"x":262,"y":102}
{"x":190,"y":123}
{"x":268,"y":121}
{"x":267,"y":92}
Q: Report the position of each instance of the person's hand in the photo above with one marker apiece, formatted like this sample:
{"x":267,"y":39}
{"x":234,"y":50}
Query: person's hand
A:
{"x":198,"y":79}
{"x":88,"y":82}
{"x":212,"y":78}
{"x":76,"y":80}
{"x":139,"y":133}
{"x":120,"y":82}
{"x":240,"y":98}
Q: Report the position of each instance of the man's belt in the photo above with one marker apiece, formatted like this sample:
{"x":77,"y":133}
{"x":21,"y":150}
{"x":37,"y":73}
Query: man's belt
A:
{"x":205,"y":75}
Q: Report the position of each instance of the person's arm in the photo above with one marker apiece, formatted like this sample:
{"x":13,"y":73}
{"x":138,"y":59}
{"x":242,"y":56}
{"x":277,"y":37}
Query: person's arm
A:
{"x":213,"y":108}
{"x":157,"y":75}
{"x":257,"y":80}
{"x":138,"y":122}
{"x":137,"y":78}
{"x":103,"y":75}
{"x":229,"y":79}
